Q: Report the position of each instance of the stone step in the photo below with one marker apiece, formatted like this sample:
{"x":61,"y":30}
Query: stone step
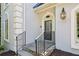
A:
{"x":28,"y":52}
{"x":24,"y":53}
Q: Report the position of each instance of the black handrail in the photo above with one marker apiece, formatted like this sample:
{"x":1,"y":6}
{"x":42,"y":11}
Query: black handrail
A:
{"x":37,"y":43}
{"x":16,"y":46}
{"x":20,"y":33}
{"x":36,"y":47}
{"x":17,"y":41}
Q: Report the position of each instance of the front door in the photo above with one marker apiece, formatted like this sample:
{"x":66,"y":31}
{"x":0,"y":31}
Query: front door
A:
{"x":48,"y":30}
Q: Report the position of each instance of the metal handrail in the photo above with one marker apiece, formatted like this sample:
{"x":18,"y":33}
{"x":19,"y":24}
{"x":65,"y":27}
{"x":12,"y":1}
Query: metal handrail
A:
{"x":36,"y":47}
{"x":17,"y":41}
{"x":20,"y":33}
{"x":37,"y":44}
{"x":39,"y":35}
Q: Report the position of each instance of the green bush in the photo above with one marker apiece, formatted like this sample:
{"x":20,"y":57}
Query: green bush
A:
{"x":1,"y":47}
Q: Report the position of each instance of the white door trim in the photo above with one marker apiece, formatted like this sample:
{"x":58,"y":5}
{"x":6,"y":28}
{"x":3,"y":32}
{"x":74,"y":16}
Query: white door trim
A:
{"x":50,"y":18}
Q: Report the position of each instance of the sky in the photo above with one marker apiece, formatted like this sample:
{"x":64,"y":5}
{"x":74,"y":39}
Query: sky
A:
{"x":33,"y":4}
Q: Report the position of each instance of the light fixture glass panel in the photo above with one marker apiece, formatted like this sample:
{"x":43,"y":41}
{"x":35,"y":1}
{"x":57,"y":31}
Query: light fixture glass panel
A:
{"x":63,"y":14}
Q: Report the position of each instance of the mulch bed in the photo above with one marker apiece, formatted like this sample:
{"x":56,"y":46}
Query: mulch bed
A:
{"x":8,"y":53}
{"x":57,"y":52}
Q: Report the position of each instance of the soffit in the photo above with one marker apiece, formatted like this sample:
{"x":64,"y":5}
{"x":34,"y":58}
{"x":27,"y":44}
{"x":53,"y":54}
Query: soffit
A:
{"x":44,"y":7}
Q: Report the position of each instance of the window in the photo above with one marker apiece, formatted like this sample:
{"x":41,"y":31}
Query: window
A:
{"x":77,"y":25}
{"x":5,"y":6}
{"x":6,"y":26}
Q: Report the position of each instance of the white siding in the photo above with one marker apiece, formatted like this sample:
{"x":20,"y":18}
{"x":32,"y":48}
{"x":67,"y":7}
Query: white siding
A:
{"x":63,"y":28}
{"x":16,"y":15}
{"x":32,"y":24}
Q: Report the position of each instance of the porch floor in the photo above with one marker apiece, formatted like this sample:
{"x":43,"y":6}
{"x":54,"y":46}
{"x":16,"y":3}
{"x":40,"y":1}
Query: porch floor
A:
{"x":40,"y":46}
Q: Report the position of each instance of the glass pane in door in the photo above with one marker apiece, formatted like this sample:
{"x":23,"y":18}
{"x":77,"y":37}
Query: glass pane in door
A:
{"x":48,"y":30}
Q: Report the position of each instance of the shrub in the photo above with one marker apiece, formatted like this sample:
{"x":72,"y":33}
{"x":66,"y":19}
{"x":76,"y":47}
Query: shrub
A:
{"x":1,"y":47}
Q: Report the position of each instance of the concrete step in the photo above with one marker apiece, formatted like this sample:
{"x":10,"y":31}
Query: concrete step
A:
{"x":32,"y":53}
{"x":24,"y":53}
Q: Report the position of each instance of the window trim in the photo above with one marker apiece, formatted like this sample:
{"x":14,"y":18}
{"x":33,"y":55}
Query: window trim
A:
{"x":74,"y":38}
{"x":7,"y":40}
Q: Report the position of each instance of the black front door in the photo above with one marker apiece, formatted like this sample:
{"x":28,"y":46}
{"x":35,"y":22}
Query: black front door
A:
{"x":48,"y":30}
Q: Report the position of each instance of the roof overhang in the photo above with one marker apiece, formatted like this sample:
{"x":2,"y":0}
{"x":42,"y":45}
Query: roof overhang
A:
{"x":44,"y":7}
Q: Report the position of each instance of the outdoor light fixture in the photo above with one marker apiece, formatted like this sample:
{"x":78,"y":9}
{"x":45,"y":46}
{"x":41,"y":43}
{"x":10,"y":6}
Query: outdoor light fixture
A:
{"x":63,"y":14}
{"x":47,"y":16}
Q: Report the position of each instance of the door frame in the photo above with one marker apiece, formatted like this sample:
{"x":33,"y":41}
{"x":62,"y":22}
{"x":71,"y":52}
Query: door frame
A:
{"x":44,"y":19}
{"x":52,"y":18}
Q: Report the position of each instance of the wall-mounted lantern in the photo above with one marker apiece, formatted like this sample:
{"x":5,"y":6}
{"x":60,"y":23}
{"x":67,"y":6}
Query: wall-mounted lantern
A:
{"x":63,"y":14}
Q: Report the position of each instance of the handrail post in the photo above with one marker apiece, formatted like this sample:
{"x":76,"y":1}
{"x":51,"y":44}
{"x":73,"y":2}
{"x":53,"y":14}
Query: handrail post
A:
{"x":44,"y":46}
{"x":17,"y":43}
{"x":36,"y":47}
{"x":25,"y":38}
{"x":17,"y":46}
